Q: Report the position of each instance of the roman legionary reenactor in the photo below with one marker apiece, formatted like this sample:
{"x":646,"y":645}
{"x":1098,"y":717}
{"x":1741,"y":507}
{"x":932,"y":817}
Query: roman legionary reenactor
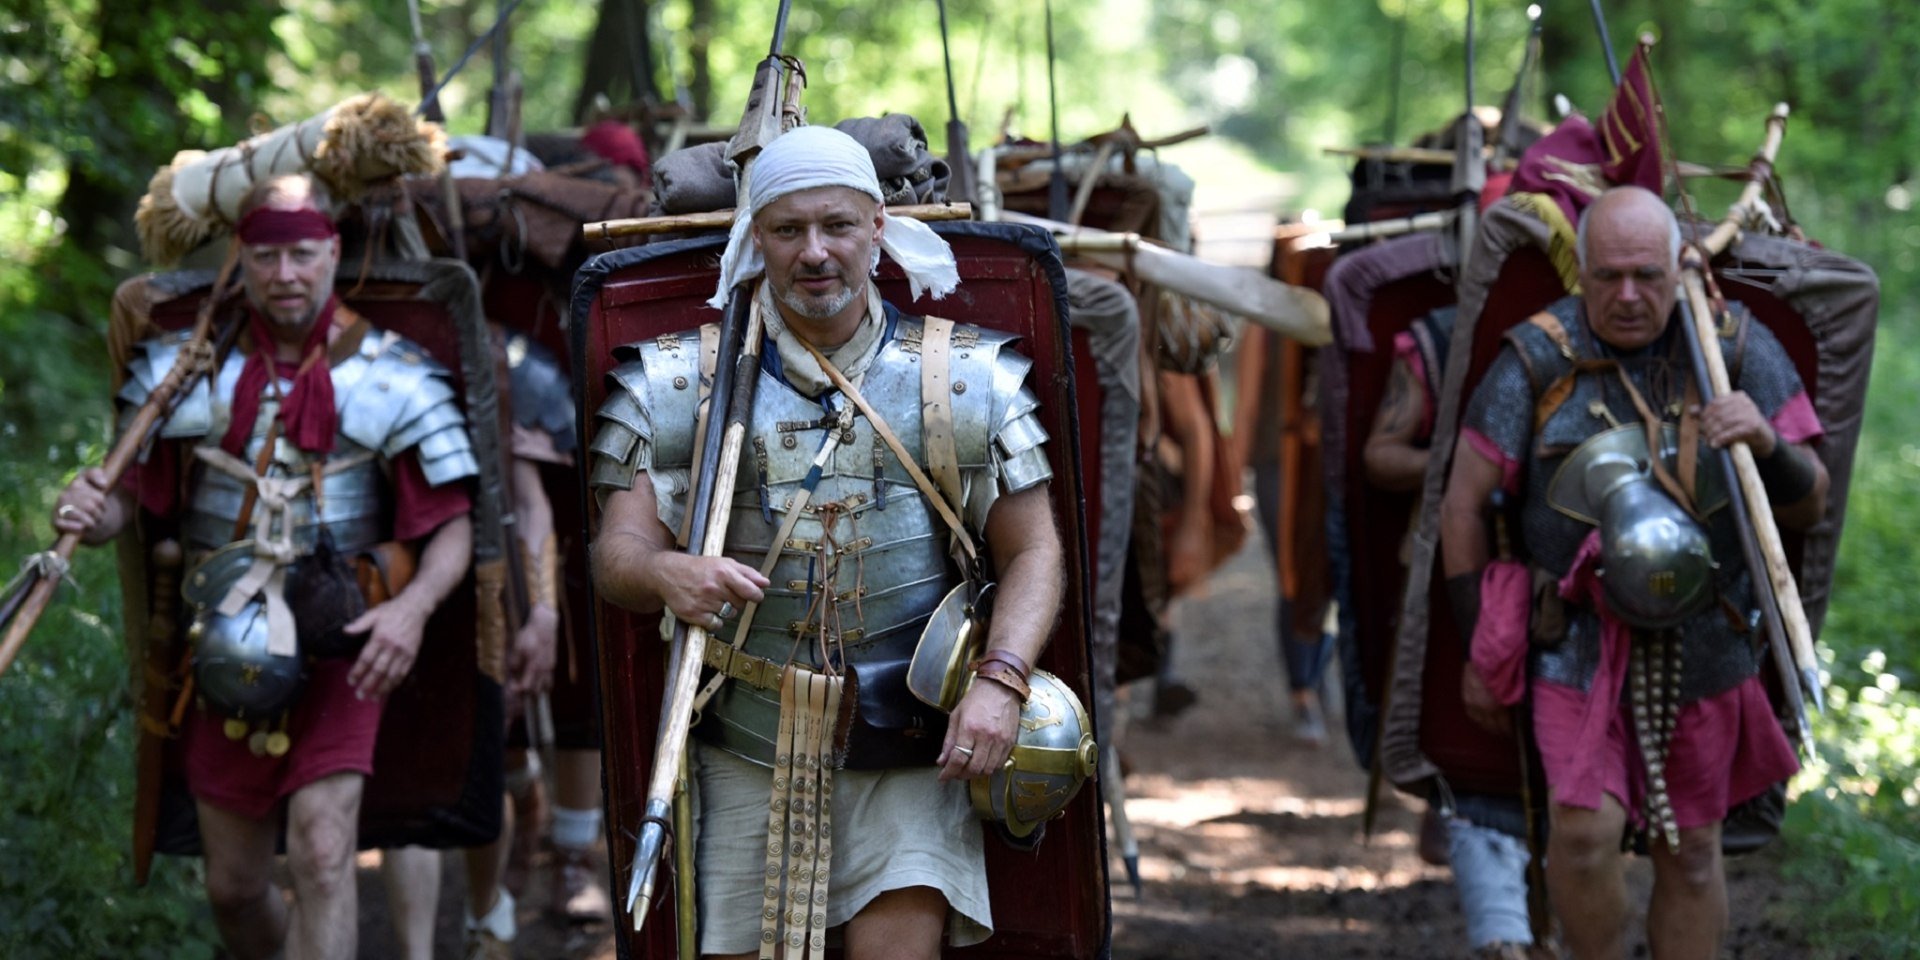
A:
{"x":1644,"y":672}
{"x":317,"y":439}
{"x":880,"y":448}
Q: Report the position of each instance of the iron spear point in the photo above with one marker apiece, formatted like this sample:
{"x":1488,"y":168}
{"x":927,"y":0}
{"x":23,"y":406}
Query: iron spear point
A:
{"x":646,"y":862}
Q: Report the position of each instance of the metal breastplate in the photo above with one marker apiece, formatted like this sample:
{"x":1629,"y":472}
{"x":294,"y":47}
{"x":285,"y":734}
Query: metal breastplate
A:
{"x":885,"y":545}
{"x":354,"y":508}
{"x":1715,"y":656}
{"x":355,"y":505}
{"x":391,"y":398}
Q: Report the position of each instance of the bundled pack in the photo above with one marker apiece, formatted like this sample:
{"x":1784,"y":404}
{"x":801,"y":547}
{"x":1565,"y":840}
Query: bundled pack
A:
{"x":361,"y":140}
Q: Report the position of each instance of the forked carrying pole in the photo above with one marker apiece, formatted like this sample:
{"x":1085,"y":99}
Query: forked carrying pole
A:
{"x":44,"y":571}
{"x":734,"y":378}
{"x":1795,"y":657}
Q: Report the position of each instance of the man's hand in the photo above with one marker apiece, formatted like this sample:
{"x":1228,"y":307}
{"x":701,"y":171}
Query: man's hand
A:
{"x":393,"y":641}
{"x":1732,"y":418}
{"x":697,"y":588}
{"x":1482,"y":707}
{"x":89,"y":508}
{"x":980,"y":732}
{"x":530,"y":661}
{"x":1188,"y":555}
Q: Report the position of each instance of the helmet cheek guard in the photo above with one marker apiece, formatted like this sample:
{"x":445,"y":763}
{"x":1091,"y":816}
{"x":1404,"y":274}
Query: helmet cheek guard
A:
{"x":1053,"y":756}
{"x":1656,"y":561}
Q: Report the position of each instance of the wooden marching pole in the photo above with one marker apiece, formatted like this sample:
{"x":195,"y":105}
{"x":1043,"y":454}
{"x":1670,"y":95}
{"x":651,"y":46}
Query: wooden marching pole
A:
{"x":196,"y":357}
{"x":1759,"y":506}
{"x":723,"y":219}
{"x":1295,"y":312}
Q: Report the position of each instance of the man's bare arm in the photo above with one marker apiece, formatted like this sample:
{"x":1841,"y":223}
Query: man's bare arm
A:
{"x":637,"y":565}
{"x":530,"y":662}
{"x":1463,"y":512}
{"x":1025,"y":541}
{"x":1393,"y":461}
{"x":1734,"y":418}
{"x":1464,"y":552}
{"x":394,"y":628}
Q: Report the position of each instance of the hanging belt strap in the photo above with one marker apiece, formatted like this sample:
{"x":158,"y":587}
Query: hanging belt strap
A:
{"x":800,"y":818}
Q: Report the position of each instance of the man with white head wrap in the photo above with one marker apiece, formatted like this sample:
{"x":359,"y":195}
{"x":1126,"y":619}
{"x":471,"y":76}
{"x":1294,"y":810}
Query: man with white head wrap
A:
{"x":858,"y":574}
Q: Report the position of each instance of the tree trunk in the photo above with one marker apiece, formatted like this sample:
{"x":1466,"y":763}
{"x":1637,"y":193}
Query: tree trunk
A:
{"x":700,"y":26}
{"x":619,"y":58}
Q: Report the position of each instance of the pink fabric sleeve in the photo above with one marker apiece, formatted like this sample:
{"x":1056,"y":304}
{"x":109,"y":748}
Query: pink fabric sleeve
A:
{"x":1500,"y":635}
{"x":1796,"y":422}
{"x":1509,"y":467}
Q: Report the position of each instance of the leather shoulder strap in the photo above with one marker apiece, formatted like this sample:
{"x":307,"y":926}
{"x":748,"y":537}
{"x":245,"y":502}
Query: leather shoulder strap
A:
{"x":936,"y":410}
{"x":1554,"y":391}
{"x":1555,"y":331}
{"x":947,"y":512}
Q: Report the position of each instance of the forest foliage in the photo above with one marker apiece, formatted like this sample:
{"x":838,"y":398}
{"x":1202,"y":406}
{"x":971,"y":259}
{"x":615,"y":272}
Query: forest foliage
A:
{"x":95,"y":94}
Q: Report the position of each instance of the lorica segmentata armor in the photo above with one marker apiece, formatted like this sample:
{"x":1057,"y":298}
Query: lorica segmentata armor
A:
{"x":868,"y":539}
{"x":391,"y":398}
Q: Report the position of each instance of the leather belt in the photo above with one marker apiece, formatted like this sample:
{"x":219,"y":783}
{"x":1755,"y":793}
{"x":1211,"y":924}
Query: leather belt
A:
{"x":743,"y":666}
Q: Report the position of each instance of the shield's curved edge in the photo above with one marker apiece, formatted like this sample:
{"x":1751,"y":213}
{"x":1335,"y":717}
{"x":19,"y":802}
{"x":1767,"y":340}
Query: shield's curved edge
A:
{"x":393,"y":814}
{"x":1039,"y":247}
{"x":1376,"y":293}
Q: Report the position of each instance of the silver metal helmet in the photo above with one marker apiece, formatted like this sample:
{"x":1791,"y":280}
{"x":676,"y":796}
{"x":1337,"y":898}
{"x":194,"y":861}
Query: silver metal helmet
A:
{"x":233,"y":669}
{"x":1656,"y":561}
{"x":1052,"y":757}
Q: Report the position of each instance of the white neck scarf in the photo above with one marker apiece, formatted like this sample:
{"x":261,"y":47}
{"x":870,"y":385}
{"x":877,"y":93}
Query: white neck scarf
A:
{"x":851,"y":358}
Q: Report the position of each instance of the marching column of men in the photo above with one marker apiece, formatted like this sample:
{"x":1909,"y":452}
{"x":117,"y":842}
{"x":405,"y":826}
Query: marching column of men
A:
{"x":320,"y":437}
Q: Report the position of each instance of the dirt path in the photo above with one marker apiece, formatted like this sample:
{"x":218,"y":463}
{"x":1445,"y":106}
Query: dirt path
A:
{"x":1250,"y":841}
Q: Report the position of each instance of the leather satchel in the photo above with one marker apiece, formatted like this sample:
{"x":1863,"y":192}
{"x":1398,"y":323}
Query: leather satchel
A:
{"x":324,"y":595}
{"x":890,"y":726}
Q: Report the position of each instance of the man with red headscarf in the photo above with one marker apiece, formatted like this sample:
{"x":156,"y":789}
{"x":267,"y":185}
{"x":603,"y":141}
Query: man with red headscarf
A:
{"x":315,"y":439}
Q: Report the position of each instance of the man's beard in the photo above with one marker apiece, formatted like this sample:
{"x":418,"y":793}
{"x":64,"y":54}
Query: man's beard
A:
{"x":816,"y":309}
{"x":294,"y":327}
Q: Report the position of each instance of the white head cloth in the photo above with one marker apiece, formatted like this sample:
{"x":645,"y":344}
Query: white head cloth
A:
{"x":808,"y":157}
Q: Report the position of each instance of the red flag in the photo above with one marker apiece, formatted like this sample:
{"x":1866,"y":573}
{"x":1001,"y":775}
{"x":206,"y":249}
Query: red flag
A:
{"x":1630,"y":129}
{"x":1569,"y":168}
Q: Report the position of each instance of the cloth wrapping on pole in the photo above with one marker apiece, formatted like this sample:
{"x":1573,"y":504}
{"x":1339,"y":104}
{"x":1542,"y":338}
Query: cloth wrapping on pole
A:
{"x":361,"y":140}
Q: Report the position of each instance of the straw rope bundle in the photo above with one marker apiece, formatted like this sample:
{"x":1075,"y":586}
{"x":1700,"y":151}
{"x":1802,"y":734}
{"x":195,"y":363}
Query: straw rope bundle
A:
{"x":361,"y":140}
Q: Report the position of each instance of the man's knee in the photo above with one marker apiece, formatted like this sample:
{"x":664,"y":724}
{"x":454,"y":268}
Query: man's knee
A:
{"x":904,"y":923}
{"x":322,"y":833}
{"x":1696,"y":865}
{"x":238,"y":889}
{"x":1584,"y":839}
